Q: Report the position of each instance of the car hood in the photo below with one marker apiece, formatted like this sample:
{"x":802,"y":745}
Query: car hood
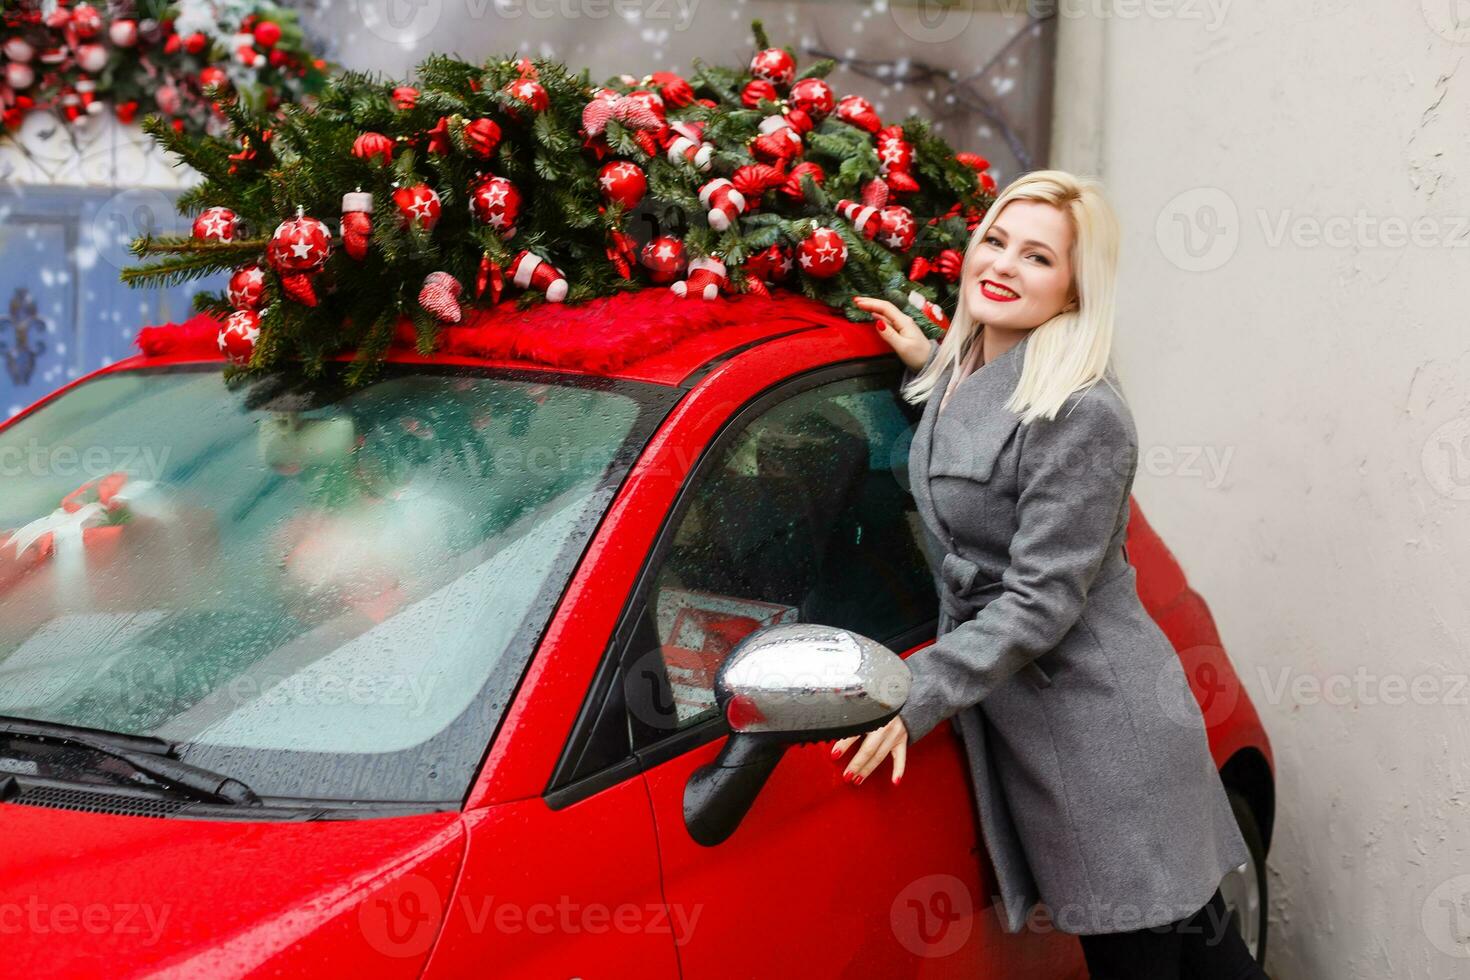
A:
{"x":107,"y":895}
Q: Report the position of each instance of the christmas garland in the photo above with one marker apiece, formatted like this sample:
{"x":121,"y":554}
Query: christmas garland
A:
{"x":146,"y":55}
{"x":518,"y":175}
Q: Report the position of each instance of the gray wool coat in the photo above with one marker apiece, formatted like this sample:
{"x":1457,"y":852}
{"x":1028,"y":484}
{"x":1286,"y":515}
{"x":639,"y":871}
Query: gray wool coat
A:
{"x":1094,"y":797}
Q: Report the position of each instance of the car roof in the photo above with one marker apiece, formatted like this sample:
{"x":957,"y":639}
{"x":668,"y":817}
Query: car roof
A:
{"x":646,"y":335}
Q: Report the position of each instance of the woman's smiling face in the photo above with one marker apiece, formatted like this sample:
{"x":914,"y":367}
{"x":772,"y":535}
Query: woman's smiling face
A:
{"x":1020,"y":276}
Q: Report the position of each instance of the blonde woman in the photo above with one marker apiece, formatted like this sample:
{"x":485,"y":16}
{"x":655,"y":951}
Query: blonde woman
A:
{"x":1093,"y":799}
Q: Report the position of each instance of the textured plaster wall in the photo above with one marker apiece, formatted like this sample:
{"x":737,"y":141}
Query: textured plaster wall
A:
{"x":1294,"y":335}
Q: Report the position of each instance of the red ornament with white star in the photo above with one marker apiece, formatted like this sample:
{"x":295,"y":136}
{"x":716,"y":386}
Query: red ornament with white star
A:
{"x":770,"y":264}
{"x":896,"y":160}
{"x":238,"y":336}
{"x":529,"y":93}
{"x":623,"y":182}
{"x":418,"y":206}
{"x":216,"y":225}
{"x":858,"y":111}
{"x":774,"y":65}
{"x":298,"y":248}
{"x":822,"y":254}
{"x":494,"y":201}
{"x":663,"y":257}
{"x":247,"y":287}
{"x":814,"y":97}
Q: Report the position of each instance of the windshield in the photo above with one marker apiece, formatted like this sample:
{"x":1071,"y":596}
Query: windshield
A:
{"x":323,"y":592}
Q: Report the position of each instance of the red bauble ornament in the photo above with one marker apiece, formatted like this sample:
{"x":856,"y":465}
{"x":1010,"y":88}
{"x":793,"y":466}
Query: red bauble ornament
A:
{"x":756,"y":90}
{"x":673,"y":89}
{"x":405,"y":97}
{"x":196,"y":43}
{"x":725,"y":203}
{"x":212,"y":75}
{"x":267,"y":34}
{"x":792,"y":187}
{"x":440,"y":296}
{"x":663,"y":257}
{"x":770,"y":264}
{"x":86,"y":21}
{"x":418,"y":206}
{"x":496,"y":202}
{"x":774,"y":65}
{"x":19,"y":75}
{"x":707,"y":277}
{"x":482,"y":136}
{"x":18,"y":49}
{"x":356,"y":225}
{"x":247,"y":287}
{"x":299,"y":247}
{"x":371,"y":145}
{"x":623,"y":182}
{"x":123,"y":33}
{"x":91,"y":58}
{"x":858,"y":111}
{"x":529,"y":93}
{"x":814,"y":97}
{"x":216,"y":225}
{"x":897,"y":227}
{"x":238,"y":336}
{"x":822,"y":254}
{"x":530,"y":271}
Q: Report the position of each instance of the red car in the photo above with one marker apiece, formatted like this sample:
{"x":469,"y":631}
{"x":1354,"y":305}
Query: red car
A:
{"x":417,"y":678}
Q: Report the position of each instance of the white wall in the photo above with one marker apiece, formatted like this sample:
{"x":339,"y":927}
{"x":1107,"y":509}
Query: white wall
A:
{"x":1331,"y":378}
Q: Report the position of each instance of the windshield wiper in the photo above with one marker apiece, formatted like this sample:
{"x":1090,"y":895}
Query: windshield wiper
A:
{"x":152,"y":757}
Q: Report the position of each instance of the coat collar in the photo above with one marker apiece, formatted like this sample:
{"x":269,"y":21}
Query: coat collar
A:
{"x":973,"y":429}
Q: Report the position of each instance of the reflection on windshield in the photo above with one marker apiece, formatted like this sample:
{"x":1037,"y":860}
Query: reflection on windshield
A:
{"x":320,"y":591}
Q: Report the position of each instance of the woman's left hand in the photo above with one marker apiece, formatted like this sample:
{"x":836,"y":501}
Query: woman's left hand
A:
{"x":891,"y":739}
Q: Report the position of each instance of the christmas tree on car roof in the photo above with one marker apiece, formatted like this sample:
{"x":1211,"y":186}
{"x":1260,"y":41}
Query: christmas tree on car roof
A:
{"x":516,"y":180}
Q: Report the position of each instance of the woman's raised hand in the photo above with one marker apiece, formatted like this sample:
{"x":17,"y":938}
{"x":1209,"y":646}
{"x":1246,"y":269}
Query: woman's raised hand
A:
{"x":899,"y":329}
{"x":890,"y":740}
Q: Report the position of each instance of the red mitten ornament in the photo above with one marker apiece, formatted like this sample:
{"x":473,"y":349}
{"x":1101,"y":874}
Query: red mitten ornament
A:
{"x":725,"y":203}
{"x":663,"y":257}
{"x":238,"y":336}
{"x":298,"y":248}
{"x":440,"y":296}
{"x":530,"y":271}
{"x":417,"y":206}
{"x":216,"y":225}
{"x":494,"y":201}
{"x":623,"y":182}
{"x":822,"y":254}
{"x":247,"y":287}
{"x":707,"y":276}
{"x":357,"y":223}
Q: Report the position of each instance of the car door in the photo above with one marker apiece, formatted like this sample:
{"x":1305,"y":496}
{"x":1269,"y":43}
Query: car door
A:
{"x":799,"y":511}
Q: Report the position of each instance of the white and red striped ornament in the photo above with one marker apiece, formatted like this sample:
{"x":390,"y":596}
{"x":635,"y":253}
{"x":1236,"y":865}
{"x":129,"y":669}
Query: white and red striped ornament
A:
{"x":238,"y":335}
{"x":779,"y":141}
{"x":496,"y":202}
{"x":687,"y":145}
{"x":892,"y":225}
{"x":724,"y":202}
{"x":707,"y":277}
{"x":440,"y":296}
{"x":216,"y":225}
{"x":933,"y":311}
{"x":530,"y":271}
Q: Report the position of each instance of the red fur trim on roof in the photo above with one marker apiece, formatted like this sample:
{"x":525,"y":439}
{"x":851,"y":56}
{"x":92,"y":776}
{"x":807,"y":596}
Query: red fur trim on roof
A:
{"x":600,"y":335}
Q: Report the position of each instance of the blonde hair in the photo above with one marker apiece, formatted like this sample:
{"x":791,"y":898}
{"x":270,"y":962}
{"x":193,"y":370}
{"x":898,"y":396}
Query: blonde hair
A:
{"x":1072,"y":350}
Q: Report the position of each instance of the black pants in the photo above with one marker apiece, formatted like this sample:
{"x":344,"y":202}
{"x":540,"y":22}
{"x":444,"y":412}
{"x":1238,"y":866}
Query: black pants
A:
{"x":1200,"y":947}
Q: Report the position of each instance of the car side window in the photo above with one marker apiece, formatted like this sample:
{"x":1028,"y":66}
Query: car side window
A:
{"x":801,"y":515}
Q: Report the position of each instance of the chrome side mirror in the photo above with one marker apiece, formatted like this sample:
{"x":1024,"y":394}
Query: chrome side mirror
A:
{"x":785,"y":685}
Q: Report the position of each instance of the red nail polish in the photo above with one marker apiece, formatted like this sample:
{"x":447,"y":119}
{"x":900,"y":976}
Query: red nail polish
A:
{"x":847,"y":776}
{"x":858,"y":781}
{"x":881,"y":326}
{"x":897,"y":780}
